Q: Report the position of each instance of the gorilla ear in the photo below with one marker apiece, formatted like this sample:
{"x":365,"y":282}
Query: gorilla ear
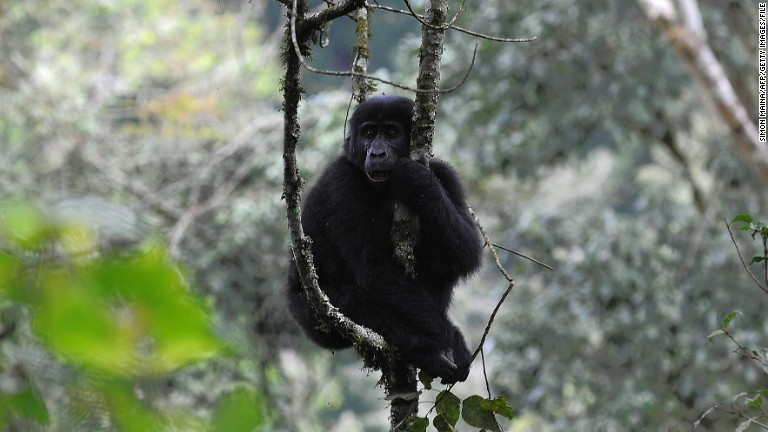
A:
{"x":348,"y":150}
{"x":351,"y":151}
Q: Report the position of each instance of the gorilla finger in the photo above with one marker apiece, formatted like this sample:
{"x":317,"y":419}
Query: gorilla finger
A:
{"x":448,"y":360}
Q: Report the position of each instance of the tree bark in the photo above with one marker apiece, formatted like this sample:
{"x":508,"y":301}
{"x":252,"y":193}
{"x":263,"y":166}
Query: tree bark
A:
{"x":402,"y":377}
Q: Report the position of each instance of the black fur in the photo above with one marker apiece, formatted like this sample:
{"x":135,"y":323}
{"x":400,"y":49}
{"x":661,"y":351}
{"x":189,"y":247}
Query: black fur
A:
{"x":348,"y":215}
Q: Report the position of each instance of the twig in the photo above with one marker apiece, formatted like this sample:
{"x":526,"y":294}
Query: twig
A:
{"x":743,"y":263}
{"x":479,"y":348}
{"x":730,"y":411}
{"x":765,"y":262}
{"x":420,"y":18}
{"x":485,"y":374}
{"x":441,"y":27}
{"x":313,"y":69}
{"x":491,"y":319}
{"x":524,"y":256}
{"x":489,"y":243}
{"x":316,"y":21}
{"x":304,"y":63}
{"x":746,"y":352}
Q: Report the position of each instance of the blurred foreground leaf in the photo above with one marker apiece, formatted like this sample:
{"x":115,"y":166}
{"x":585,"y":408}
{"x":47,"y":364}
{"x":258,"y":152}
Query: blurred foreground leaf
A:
{"x":26,"y":403}
{"x":116,"y":319}
{"x":125,"y":316}
{"x":242,"y":410}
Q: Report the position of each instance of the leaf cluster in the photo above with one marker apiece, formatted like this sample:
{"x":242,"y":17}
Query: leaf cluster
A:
{"x":476,"y":411}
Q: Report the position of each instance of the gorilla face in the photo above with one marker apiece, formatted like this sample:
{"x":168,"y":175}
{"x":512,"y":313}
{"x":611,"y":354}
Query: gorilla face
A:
{"x":380,"y":134}
{"x":384,"y":143}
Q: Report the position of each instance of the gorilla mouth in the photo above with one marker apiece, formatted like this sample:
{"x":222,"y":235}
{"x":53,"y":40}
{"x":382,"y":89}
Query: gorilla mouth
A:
{"x":378,"y":175}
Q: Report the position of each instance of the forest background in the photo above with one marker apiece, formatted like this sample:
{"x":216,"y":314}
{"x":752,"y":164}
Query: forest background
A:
{"x":595,"y":149}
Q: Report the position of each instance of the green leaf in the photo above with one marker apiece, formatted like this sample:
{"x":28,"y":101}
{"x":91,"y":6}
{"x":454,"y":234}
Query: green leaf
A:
{"x":729,"y":318}
{"x":715,"y":333}
{"x":448,"y":405}
{"x":420,"y":425}
{"x":27,"y":404}
{"x":23,"y":224}
{"x":442,"y":424}
{"x":425,"y":379}
{"x":500,"y":406}
{"x":475,"y":415}
{"x":757,"y":402}
{"x":130,"y":413}
{"x":743,"y":218}
{"x":124,"y":316}
{"x":9,"y":265}
{"x":241,"y":410}
{"x":73,"y":321}
{"x":758,"y":259}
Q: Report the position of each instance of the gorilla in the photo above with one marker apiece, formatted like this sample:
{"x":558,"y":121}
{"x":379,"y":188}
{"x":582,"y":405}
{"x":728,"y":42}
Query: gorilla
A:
{"x":348,"y":215}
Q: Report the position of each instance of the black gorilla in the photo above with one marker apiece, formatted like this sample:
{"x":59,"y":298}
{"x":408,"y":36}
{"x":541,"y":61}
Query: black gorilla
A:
{"x":348,"y":216}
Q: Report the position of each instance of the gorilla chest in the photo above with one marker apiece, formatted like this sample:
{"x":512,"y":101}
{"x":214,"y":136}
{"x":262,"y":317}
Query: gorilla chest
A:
{"x":388,"y":215}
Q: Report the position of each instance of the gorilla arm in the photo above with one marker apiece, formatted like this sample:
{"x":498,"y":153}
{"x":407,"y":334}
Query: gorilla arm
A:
{"x":451,"y":242}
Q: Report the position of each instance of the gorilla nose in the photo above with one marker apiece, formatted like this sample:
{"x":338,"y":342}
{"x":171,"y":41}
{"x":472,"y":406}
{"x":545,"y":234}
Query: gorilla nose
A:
{"x":378,"y":154}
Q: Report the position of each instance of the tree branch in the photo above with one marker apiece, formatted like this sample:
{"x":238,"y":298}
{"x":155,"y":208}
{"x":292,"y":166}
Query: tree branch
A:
{"x":420,"y":18}
{"x":369,"y":344}
{"x":744,"y":263}
{"x":685,"y":29}
{"x":318,"y":20}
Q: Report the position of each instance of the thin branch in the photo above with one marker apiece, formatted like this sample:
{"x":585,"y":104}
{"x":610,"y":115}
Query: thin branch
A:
{"x":503,"y":272}
{"x":360,"y":85}
{"x":318,"y":20}
{"x":743,"y":263}
{"x":420,"y":18}
{"x":441,"y":27}
{"x":524,"y":256}
{"x":366,"y":76}
{"x":746,"y":352}
{"x":765,"y":262}
{"x":491,"y":319}
{"x":303,"y":61}
{"x":485,"y":374}
{"x":490,"y":245}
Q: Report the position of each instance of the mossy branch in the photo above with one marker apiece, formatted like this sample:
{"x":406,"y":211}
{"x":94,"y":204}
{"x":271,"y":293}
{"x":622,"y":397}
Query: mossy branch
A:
{"x":366,"y":341}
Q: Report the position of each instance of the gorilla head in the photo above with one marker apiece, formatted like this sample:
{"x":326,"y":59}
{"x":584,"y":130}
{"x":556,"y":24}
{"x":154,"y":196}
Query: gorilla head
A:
{"x":379,"y":135}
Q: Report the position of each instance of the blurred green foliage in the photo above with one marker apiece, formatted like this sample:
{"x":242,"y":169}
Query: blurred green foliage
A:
{"x":112,"y":319}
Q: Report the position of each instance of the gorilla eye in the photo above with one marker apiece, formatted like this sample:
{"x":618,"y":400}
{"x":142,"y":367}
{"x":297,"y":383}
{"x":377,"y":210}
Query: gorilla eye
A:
{"x":368,"y":133}
{"x":391,"y":132}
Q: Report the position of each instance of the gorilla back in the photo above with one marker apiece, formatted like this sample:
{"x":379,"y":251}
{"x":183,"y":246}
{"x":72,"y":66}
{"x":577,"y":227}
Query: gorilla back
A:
{"x":348,"y":215}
